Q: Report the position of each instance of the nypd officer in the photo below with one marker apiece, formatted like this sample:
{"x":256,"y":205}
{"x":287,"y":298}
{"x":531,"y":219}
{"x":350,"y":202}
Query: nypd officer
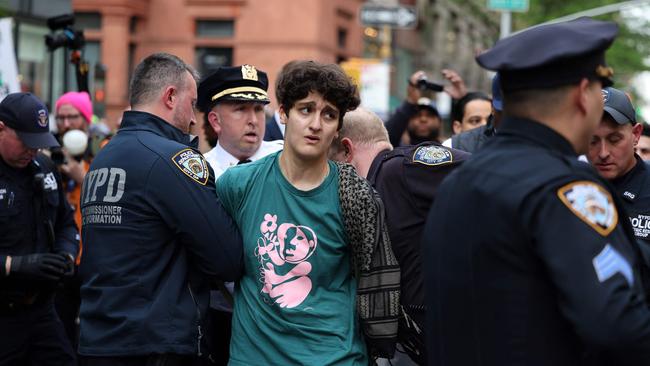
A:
{"x":407,"y":179}
{"x":529,"y":259}
{"x":611,"y":152}
{"x":233,"y":99}
{"x":38,"y":238}
{"x":154,"y":230}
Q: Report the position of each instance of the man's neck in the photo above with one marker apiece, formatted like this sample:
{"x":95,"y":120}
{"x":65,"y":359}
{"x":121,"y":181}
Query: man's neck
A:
{"x":303,"y":175}
{"x":366,"y":154}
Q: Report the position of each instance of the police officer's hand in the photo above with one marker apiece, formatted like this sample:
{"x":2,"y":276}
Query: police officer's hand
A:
{"x":48,"y":266}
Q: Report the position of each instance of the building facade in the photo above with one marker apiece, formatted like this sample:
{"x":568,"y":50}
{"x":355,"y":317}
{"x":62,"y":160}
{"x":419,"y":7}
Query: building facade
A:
{"x":212,"y":33}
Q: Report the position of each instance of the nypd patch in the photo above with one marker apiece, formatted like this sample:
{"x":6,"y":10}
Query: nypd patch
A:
{"x":193,"y":165}
{"x":432,"y":155}
{"x":592,"y":204}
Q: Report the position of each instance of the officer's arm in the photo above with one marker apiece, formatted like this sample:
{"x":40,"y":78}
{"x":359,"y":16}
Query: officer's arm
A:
{"x":589,"y":262}
{"x":192,"y":209}
{"x":397,"y":123}
{"x":66,"y":234}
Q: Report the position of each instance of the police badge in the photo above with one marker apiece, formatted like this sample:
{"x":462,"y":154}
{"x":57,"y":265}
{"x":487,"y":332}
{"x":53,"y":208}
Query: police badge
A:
{"x":592,"y":204}
{"x":248,"y":72}
{"x":193,"y":165}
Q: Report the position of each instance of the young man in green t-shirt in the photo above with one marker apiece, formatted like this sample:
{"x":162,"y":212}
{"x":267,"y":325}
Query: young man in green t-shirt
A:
{"x":295,"y":304}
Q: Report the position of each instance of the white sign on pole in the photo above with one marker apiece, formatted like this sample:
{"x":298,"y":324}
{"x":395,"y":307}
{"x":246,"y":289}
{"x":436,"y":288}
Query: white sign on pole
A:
{"x":375,"y":85}
{"x":8,"y":69}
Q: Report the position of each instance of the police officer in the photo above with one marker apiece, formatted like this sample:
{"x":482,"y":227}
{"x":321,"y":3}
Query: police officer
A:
{"x":527,"y":260}
{"x":154,"y":230}
{"x":406,"y":179}
{"x":611,"y":152}
{"x":233,"y":99}
{"x":38,"y":238}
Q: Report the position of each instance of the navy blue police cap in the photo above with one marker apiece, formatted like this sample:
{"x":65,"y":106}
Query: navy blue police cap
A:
{"x":240,"y":83}
{"x":553,"y":55}
{"x":28,"y":116}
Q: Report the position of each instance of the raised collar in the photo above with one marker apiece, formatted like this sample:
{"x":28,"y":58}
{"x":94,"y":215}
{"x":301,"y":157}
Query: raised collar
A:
{"x":143,"y":121}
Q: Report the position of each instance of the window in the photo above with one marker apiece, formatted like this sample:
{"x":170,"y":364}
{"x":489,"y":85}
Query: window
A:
{"x":87,"y":21}
{"x":342,"y":37}
{"x":215,"y":28}
{"x":209,"y":59}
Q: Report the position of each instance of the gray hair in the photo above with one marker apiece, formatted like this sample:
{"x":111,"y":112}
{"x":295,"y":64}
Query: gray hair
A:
{"x":155,"y":73}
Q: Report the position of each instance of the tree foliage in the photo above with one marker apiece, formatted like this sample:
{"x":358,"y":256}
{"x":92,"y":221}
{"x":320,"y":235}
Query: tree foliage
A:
{"x":630,"y":49}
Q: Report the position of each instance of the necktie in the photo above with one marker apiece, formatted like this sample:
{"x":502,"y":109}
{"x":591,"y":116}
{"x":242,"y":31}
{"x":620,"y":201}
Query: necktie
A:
{"x":244,"y":161}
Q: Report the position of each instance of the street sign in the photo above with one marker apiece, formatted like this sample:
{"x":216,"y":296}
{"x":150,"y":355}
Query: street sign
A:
{"x":508,"y":5}
{"x":392,"y":16}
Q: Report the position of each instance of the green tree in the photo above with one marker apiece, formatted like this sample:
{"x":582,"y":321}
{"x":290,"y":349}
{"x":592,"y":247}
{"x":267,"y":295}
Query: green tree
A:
{"x":630,"y":49}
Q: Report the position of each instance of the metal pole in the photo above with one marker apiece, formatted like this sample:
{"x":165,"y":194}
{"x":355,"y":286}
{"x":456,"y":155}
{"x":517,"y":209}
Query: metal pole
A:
{"x":506,"y":24}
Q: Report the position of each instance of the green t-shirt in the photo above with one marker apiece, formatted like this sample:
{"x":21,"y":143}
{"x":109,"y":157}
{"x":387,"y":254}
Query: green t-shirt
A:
{"x":295,"y":304}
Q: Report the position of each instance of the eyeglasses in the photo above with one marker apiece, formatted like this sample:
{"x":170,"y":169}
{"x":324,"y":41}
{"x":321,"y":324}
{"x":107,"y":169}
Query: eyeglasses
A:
{"x":69,"y":117}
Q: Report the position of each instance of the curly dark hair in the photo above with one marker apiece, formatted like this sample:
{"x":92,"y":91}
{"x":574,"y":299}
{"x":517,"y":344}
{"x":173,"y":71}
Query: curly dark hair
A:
{"x":298,"y":78}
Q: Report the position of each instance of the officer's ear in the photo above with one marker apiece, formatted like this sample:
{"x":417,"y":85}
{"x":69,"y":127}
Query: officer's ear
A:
{"x":637,"y":130}
{"x":215,"y":120}
{"x":169,"y":96}
{"x":348,"y":149}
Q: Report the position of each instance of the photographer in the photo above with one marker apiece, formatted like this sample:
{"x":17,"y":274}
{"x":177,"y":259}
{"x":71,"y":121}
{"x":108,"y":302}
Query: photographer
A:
{"x":417,"y":115}
{"x":38,"y":238}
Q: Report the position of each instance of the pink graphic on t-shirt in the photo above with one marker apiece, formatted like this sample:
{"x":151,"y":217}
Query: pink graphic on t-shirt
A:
{"x":283,"y":261}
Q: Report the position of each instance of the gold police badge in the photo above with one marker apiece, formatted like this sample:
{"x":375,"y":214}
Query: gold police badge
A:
{"x":193,"y":165}
{"x":248,"y":72}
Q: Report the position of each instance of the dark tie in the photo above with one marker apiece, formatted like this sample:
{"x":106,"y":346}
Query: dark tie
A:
{"x":244,"y":161}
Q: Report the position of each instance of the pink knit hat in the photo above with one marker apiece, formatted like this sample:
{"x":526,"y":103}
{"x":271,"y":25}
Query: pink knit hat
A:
{"x":79,"y":100}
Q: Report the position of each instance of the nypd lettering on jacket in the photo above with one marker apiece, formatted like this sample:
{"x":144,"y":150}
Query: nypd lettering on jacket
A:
{"x":102,"y":191}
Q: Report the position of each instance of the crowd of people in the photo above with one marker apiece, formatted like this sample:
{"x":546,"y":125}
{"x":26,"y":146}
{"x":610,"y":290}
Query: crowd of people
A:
{"x":324,"y":235}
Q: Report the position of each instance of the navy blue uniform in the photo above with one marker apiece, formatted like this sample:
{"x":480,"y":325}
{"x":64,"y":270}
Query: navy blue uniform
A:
{"x":528,"y":262}
{"x":35,"y":217}
{"x":407,"y":179}
{"x":634,"y":189}
{"x":154,"y":232}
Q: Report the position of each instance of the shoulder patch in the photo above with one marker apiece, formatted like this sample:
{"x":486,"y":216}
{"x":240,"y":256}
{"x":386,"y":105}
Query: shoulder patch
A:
{"x":591,"y":203}
{"x":432,"y":155}
{"x":193,"y":165}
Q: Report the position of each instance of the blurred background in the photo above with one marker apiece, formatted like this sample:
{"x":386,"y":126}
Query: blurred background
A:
{"x":379,"y":43}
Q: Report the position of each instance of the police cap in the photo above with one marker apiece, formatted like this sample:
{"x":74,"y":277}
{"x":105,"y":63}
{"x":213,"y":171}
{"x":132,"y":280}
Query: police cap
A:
{"x":619,"y":106}
{"x":28,"y":116}
{"x":553,"y":55}
{"x":240,"y":83}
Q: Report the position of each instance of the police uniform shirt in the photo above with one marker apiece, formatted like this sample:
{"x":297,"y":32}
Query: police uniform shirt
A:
{"x":407,"y":180}
{"x":527,"y":261}
{"x":634,"y":189}
{"x":220,"y":159}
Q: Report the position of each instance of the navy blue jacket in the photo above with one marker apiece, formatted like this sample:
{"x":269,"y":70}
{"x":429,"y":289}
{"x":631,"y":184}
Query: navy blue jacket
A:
{"x":530,"y":260}
{"x":634,"y":190}
{"x":22,"y":197}
{"x":154,"y":233}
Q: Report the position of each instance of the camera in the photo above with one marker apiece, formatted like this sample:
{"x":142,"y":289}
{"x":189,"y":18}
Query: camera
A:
{"x":424,"y":84}
{"x":70,"y":38}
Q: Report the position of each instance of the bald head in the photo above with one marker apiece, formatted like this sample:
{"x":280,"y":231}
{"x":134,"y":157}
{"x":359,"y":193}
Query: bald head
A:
{"x":362,"y":136}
